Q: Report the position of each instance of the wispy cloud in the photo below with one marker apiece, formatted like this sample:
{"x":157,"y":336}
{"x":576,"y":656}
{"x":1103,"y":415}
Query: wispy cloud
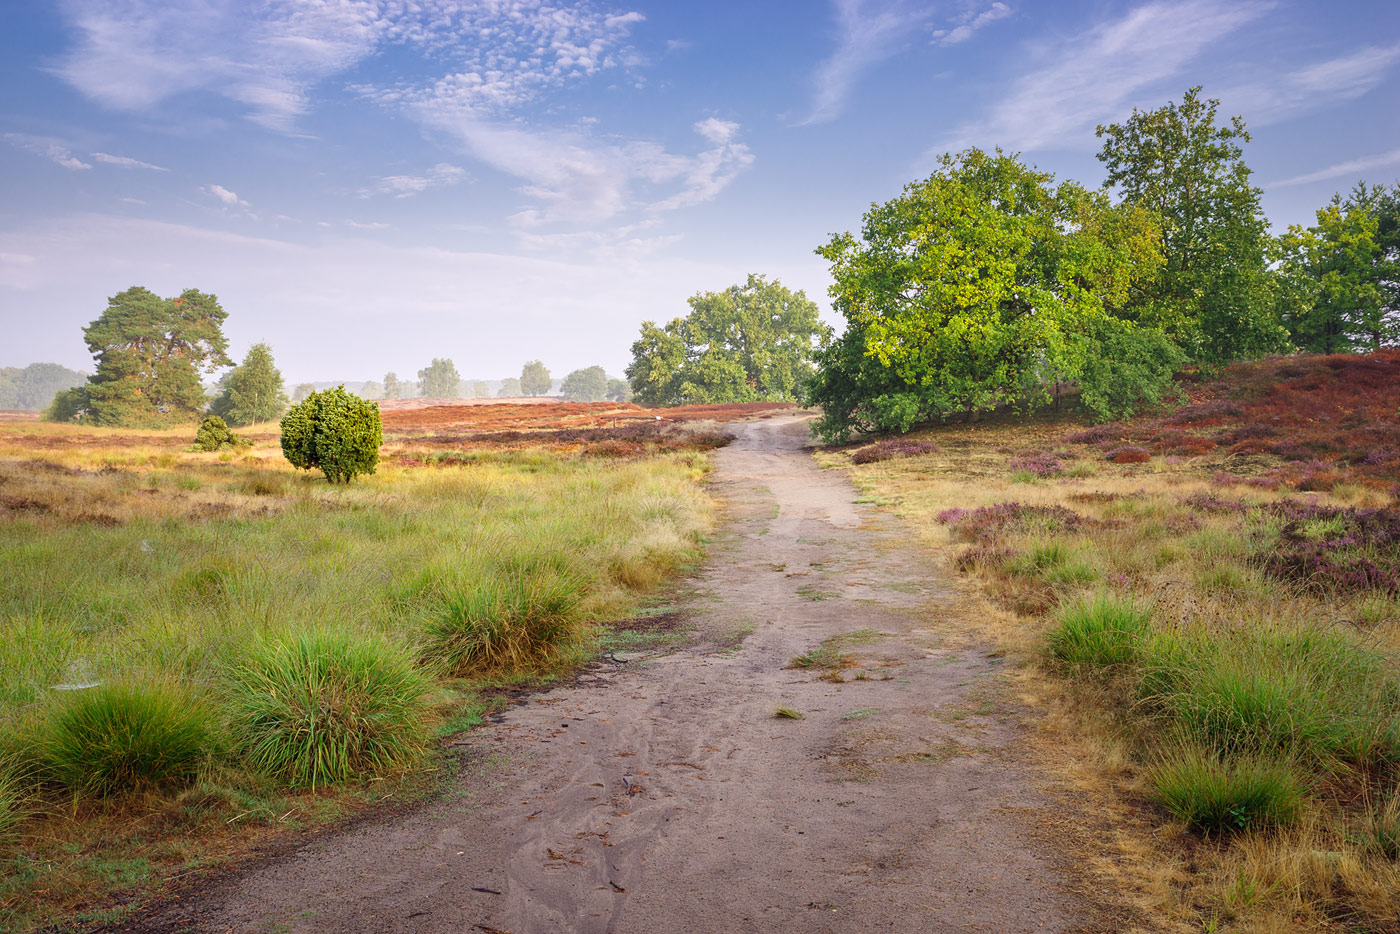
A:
{"x":406,"y":186}
{"x":1100,"y":73}
{"x":969,"y":23}
{"x":226,"y":197}
{"x":869,"y":31}
{"x":1352,"y":167}
{"x":1278,"y":97}
{"x":126,"y":162}
{"x":51,"y":149}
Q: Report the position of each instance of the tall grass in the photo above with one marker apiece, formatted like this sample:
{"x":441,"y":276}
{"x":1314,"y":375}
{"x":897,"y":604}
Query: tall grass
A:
{"x":1214,"y":792}
{"x":116,"y":739}
{"x":508,"y":621}
{"x":1101,"y":631}
{"x":315,"y":708}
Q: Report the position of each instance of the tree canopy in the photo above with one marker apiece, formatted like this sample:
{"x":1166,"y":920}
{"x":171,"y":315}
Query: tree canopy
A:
{"x":749,"y":342}
{"x":981,"y":286}
{"x":510,"y":387}
{"x":586,"y":385}
{"x":393,"y":389}
{"x":150,"y":353}
{"x":1211,"y":297}
{"x":535,"y":379}
{"x":253,"y":391}
{"x":440,"y":380}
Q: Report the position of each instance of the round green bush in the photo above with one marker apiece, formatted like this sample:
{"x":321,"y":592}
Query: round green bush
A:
{"x":119,"y":738}
{"x":214,"y":435}
{"x":335,"y":431}
{"x":314,"y":708}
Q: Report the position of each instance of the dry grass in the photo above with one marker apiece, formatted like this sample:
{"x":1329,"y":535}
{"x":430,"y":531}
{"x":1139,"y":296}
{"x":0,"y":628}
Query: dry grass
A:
{"x":1171,"y":534}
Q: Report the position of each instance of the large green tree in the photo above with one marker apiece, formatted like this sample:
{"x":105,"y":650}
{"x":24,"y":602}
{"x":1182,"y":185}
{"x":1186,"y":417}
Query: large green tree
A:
{"x":1331,"y":301}
{"x":745,"y":343}
{"x":985,"y":285}
{"x":150,"y":353}
{"x":589,"y":384}
{"x":440,"y":380}
{"x":534,"y":379}
{"x":253,"y":391}
{"x":1212,"y":296}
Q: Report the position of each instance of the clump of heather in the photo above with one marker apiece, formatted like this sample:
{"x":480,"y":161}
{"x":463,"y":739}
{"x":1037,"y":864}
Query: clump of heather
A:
{"x":1039,"y":463}
{"x":1336,"y":548}
{"x":1206,"y":502}
{"x":1129,"y":454}
{"x":891,"y":448}
{"x":1204,"y":411}
{"x":1099,"y":434}
{"x":985,"y":524}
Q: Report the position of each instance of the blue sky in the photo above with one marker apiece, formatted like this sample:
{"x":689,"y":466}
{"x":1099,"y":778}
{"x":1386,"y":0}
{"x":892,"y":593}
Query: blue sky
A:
{"x":367,"y":184}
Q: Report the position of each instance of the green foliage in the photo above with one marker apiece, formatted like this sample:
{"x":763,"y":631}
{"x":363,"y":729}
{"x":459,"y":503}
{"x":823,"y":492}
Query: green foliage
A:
{"x":150,"y":352}
{"x":440,"y":380}
{"x":1337,"y":288}
{"x":393,"y":389}
{"x":1211,"y":297}
{"x":586,"y":385}
{"x":978,"y":287}
{"x":315,"y":708}
{"x":1102,"y":631}
{"x":750,"y":342}
{"x":68,"y":405}
{"x":214,"y":435}
{"x":534,"y":379}
{"x":513,"y":620}
{"x":33,"y":388}
{"x":1213,"y":793}
{"x":510,"y":388}
{"x":252,"y":392}
{"x":336,"y":431}
{"x":480,"y":389}
{"x":121,"y":738}
{"x":1127,"y":370}
{"x":619,"y":390}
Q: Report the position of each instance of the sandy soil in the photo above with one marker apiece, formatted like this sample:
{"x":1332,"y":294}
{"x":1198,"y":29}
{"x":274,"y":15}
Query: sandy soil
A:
{"x":663,"y":795}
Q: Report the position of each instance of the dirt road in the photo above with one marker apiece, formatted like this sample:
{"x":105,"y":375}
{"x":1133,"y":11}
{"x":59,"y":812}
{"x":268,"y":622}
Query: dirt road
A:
{"x":667,"y":797}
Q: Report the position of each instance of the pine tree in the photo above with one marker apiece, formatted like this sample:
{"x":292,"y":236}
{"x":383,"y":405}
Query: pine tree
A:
{"x":253,"y":391}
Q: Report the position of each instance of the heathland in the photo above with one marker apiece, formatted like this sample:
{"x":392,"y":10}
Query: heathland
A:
{"x":198,"y":650}
{"x":1206,"y":603}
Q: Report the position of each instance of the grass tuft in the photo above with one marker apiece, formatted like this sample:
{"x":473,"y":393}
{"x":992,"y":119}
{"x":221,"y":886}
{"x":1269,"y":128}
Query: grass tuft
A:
{"x":787,"y":713}
{"x":514,"y":622}
{"x":1102,"y":631}
{"x":314,"y":708}
{"x":122,"y":738}
{"x":1213,"y":793}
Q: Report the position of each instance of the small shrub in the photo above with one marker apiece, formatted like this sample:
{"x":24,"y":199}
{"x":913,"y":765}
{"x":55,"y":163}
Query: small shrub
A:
{"x":987,"y":523}
{"x":1213,"y":411}
{"x":1128,"y":454}
{"x":892,"y":448}
{"x":512,"y":621}
{"x":122,"y":738}
{"x":335,"y":431}
{"x":1099,"y":434}
{"x":213,"y":435}
{"x":314,"y":708}
{"x":1038,"y":464}
{"x":1100,"y":632}
{"x":1214,"y":794}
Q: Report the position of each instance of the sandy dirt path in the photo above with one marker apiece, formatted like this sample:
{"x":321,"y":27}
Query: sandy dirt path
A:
{"x":664,"y":795}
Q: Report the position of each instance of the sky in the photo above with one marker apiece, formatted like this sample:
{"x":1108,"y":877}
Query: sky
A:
{"x":369,"y":184}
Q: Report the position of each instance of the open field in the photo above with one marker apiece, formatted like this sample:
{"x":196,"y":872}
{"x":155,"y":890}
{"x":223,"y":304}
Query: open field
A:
{"x":1205,"y":606}
{"x":199,"y":650}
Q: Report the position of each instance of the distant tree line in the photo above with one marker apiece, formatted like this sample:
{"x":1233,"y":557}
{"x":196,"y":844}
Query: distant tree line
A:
{"x":32,"y":388}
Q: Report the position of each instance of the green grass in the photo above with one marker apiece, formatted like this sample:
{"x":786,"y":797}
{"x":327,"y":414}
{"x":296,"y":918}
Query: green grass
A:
{"x":125,"y":737}
{"x":1215,"y":793}
{"x":320,"y":707}
{"x":831,"y":654}
{"x":787,"y":713}
{"x":1099,"y":632}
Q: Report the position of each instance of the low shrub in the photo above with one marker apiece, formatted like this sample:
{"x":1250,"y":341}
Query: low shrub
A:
{"x":1099,"y":434}
{"x":892,"y":448}
{"x":1038,"y":464}
{"x":214,"y":435}
{"x":1214,"y":793}
{"x":1128,"y":454}
{"x":335,"y":431}
{"x":1334,"y":548}
{"x":123,"y":738}
{"x":314,"y":708}
{"x":512,"y":621}
{"x":987,"y":523}
{"x":1102,"y":631}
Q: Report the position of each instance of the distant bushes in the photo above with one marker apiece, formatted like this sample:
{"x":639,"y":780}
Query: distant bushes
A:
{"x":214,"y":435}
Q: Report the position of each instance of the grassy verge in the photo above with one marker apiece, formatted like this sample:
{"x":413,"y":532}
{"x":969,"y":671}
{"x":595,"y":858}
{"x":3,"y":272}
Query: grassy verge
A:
{"x":199,"y":650}
{"x":1218,"y":662}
